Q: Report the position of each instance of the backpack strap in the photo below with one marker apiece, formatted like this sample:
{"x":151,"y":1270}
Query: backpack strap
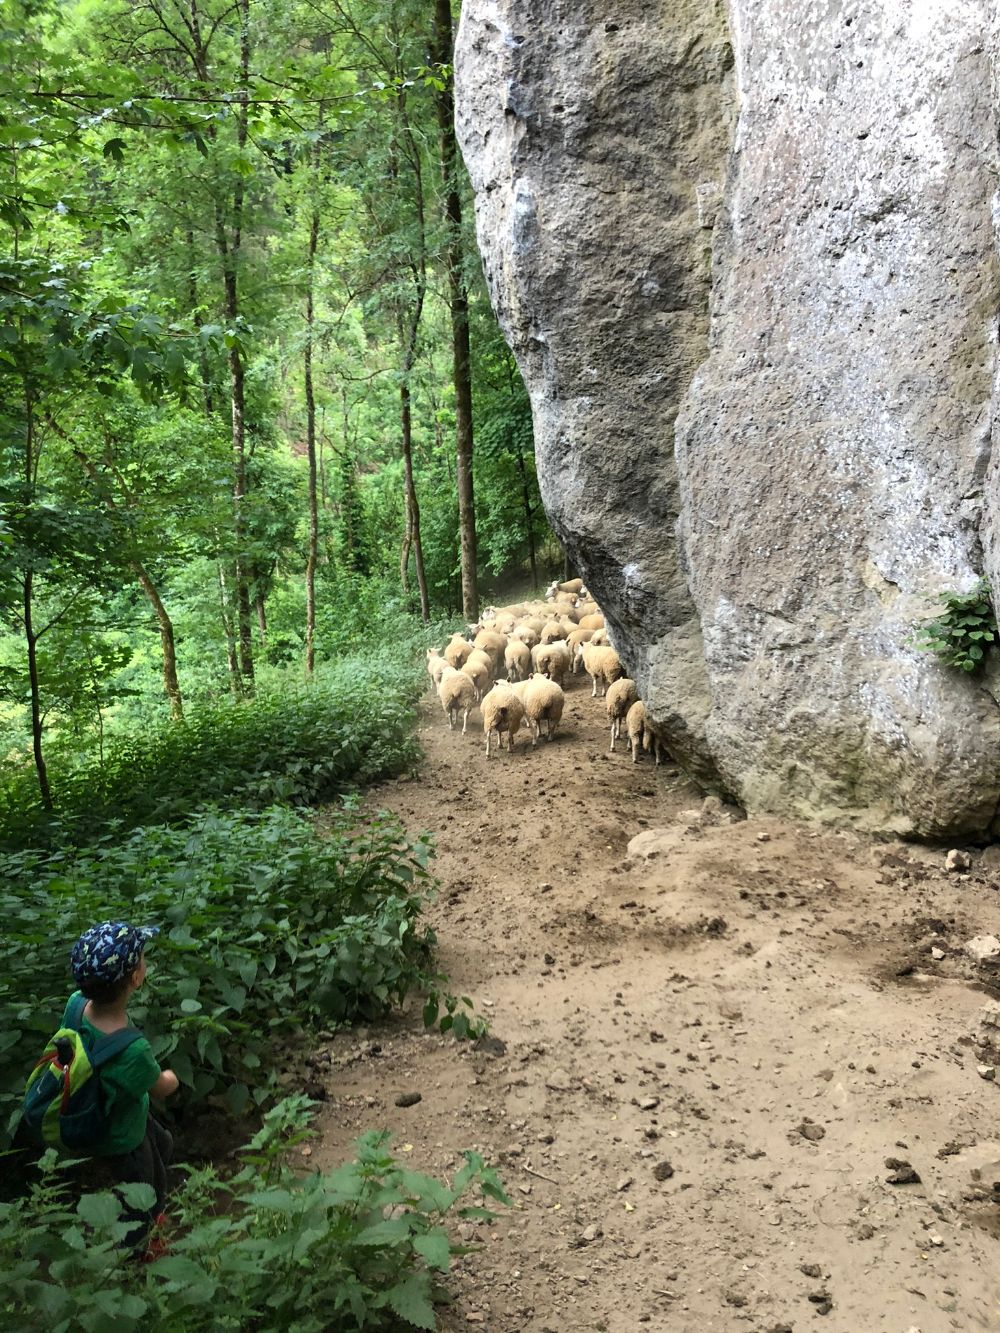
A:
{"x":111,"y":1045}
{"x":74,"y":1012}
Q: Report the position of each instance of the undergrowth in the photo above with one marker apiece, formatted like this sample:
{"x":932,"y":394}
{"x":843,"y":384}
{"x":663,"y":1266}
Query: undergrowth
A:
{"x":268,"y":929}
{"x":294,"y":742}
{"x":268,"y":1251}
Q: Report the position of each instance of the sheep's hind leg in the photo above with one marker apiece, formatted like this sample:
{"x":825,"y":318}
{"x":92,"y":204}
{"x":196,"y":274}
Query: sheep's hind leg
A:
{"x":465,"y":722}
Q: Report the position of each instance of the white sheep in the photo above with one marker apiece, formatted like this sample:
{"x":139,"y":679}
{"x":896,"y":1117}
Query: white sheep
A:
{"x":603,"y":664}
{"x":502,"y":712}
{"x":526,"y":634}
{"x":479,"y":669}
{"x":457,"y":694}
{"x":571,"y":585}
{"x":493,"y":644}
{"x":552,"y":660}
{"x":592,"y":621}
{"x":543,"y":701}
{"x":457,"y":651}
{"x":620,"y":697}
{"x":517,"y":659}
{"x":435,"y":665}
{"x":641,"y":734}
{"x":575,"y":642}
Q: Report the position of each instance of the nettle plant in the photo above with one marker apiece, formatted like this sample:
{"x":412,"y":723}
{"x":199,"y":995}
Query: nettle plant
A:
{"x":961,"y":633}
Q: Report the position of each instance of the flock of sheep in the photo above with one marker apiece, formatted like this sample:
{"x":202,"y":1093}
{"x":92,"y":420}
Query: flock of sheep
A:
{"x":518,"y":660}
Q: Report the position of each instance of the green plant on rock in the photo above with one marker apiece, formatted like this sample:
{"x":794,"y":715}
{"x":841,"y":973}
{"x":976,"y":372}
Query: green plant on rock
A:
{"x":360,"y":1247}
{"x":961,"y":633}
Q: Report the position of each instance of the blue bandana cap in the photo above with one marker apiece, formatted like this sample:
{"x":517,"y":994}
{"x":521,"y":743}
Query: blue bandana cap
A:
{"x":109,"y":951}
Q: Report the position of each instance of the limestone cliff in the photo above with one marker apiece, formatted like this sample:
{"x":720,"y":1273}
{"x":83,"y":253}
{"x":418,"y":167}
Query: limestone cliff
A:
{"x":746,"y":261}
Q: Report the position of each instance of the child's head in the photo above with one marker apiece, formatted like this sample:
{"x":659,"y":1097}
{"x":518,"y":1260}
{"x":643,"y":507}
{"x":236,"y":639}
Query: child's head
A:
{"x":107,"y":957}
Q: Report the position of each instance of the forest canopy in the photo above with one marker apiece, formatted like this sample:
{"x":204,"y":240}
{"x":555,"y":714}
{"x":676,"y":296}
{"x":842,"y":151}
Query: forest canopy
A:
{"x":254,"y":401}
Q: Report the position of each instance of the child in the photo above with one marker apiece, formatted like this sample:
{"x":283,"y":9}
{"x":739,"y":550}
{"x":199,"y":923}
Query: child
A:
{"x":109,"y":966}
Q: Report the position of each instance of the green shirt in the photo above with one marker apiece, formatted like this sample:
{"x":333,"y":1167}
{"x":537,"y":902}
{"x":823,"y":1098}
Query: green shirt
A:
{"x":126,"y":1080}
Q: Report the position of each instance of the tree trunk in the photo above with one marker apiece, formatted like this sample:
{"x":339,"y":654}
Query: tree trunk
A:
{"x":458,"y":300}
{"x":404,"y":554}
{"x":259,"y":608}
{"x":31,"y":639}
{"x":235,"y":679}
{"x":528,"y":514}
{"x":313,"y":554}
{"x":412,"y":508}
{"x":171,"y":685}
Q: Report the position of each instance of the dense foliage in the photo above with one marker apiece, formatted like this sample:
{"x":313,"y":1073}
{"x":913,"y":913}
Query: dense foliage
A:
{"x":355,"y":1248}
{"x":963,"y":629}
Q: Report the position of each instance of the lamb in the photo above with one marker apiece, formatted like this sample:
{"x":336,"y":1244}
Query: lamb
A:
{"x":572,"y":585}
{"x":620,"y":697}
{"x":587,"y":609}
{"x":457,"y":652}
{"x":526,"y":635}
{"x":502,"y":712}
{"x":543,"y":701}
{"x":599,"y":638}
{"x":435,"y":665}
{"x":457,"y":694}
{"x":552,"y":660}
{"x":603,"y":664}
{"x":517,"y":659}
{"x":493,"y":644}
{"x":554,"y":630}
{"x":594,"y":620}
{"x":479,"y":669}
{"x":575,"y":642}
{"x":641,"y":733}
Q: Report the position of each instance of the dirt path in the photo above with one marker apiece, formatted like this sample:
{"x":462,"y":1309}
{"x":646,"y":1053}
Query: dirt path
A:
{"x":705,"y":1056}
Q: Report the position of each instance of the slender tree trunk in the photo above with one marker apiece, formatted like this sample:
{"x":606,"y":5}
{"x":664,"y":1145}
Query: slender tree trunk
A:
{"x":31,"y":640}
{"x":412,"y":508}
{"x":206,"y":378}
{"x":528,"y":514}
{"x":404,"y":554}
{"x":313,"y":554}
{"x":261,"y":612}
{"x":458,"y":300}
{"x":171,"y":685}
{"x":235,"y":679}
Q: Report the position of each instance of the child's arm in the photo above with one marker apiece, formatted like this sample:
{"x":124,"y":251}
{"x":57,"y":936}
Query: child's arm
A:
{"x":167,"y":1083}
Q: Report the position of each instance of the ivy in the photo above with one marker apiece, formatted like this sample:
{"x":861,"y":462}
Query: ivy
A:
{"x":962,"y":632}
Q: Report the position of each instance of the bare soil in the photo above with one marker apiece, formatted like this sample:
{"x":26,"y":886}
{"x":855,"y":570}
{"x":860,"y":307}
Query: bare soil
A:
{"x":700,"y":1060}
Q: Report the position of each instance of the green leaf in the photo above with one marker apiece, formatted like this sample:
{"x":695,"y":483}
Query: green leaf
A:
{"x":434,"y":1248}
{"x":137,"y":1194}
{"x":411,"y":1301}
{"x":99,"y":1210}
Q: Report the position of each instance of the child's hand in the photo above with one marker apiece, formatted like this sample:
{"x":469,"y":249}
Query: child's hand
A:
{"x":166,"y":1084}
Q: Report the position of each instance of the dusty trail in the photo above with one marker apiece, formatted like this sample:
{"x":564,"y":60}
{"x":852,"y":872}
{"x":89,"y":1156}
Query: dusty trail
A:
{"x":704,"y":1058}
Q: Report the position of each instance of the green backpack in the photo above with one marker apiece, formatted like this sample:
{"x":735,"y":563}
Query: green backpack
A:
{"x":63,"y":1103}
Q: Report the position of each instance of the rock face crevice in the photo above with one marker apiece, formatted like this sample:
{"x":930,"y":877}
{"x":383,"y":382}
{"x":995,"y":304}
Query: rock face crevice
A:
{"x":748,"y":267}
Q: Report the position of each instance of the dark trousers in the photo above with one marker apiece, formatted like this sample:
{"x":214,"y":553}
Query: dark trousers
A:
{"x":146,"y":1165}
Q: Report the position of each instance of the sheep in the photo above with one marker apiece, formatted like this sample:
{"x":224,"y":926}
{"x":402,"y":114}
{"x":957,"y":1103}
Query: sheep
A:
{"x":435,"y":665}
{"x":502,"y":712}
{"x":599,"y":638}
{"x":587,"y":609}
{"x":553,"y":630}
{"x":493,"y":644}
{"x":517,"y":659}
{"x":620,"y":697}
{"x":535,"y":623}
{"x":552,"y":660}
{"x":572,"y":585}
{"x":457,"y":694}
{"x":575,"y":642}
{"x":479,"y":669}
{"x":603,"y":664}
{"x":543,"y":702}
{"x":526,"y":635}
{"x":641,"y":734}
{"x":457,"y":651}
{"x":594,"y":620}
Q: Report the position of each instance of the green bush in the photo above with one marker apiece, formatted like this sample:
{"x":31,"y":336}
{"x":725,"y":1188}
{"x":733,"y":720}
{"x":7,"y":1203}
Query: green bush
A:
{"x":964,"y":629}
{"x":294,"y":742}
{"x":356,"y":1248}
{"x":267,"y":928}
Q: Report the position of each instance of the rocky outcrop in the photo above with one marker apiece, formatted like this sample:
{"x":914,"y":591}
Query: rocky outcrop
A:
{"x":765,"y":503}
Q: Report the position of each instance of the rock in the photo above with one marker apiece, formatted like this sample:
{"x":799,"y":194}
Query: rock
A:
{"x":957,"y":860}
{"x":781,"y":659}
{"x":763,"y":837}
{"x":901,"y":1172}
{"x":936,"y":953}
{"x":648,"y":1103}
{"x":623,"y":1183}
{"x":988,"y":1072}
{"x":811,"y":1270}
{"x":936,"y":1240}
{"x":653,"y":843}
{"x":589,"y":1234}
{"x":812,"y":1132}
{"x":990,"y":1016}
{"x":662,"y":1171}
{"x":545,"y":888}
{"x":409,"y":1098}
{"x":982,"y":948}
{"x":490,"y":1045}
